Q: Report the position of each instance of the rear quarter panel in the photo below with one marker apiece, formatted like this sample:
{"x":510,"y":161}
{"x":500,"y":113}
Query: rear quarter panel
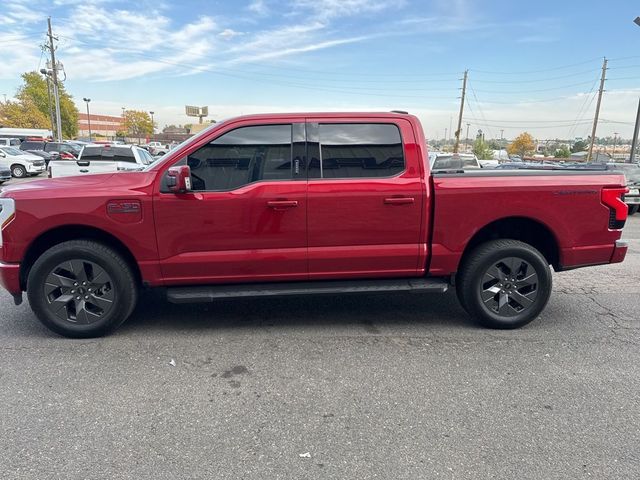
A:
{"x":568,"y":205}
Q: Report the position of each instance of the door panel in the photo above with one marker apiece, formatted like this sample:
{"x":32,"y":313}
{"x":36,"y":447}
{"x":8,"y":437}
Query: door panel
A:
{"x":233,"y":236}
{"x":363,"y":227}
{"x":254,"y":230}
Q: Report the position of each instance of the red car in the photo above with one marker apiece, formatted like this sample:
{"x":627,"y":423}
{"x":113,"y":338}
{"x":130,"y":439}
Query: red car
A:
{"x":292,"y":204}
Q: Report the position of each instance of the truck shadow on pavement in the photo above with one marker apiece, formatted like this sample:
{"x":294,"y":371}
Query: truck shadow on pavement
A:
{"x":371,"y":312}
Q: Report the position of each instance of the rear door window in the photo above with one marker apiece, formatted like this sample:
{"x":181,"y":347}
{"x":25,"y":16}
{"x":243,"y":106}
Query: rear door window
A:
{"x":356,"y":150}
{"x":28,"y":145}
{"x":91,"y":154}
{"x":123,"y":155}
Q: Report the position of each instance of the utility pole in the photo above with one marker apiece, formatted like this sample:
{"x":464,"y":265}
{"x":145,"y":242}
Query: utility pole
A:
{"x":464,"y":91}
{"x":595,"y":119}
{"x":54,"y":69}
{"x":466,"y":141}
{"x":46,"y":74}
{"x":635,"y":135}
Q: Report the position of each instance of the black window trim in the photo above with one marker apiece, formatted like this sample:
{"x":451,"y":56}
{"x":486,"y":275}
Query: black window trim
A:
{"x":333,"y":122}
{"x":164,"y":188}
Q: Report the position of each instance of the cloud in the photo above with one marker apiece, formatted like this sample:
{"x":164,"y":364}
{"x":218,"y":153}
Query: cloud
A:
{"x":327,"y":9}
{"x":285,"y":52}
{"x":19,"y":12}
{"x":258,"y":7}
{"x":537,"y":39}
{"x":102,"y":44}
{"x":229,"y":33}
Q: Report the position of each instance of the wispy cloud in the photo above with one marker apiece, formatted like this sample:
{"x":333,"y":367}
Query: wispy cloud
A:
{"x":537,"y":39}
{"x":258,"y":7}
{"x":328,"y":9}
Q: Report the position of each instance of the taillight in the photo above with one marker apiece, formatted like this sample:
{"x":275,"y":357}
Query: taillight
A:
{"x":613,"y":198}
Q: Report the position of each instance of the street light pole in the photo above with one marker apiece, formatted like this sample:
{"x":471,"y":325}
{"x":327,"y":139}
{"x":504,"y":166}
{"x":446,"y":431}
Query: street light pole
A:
{"x":87,"y":100}
{"x":153,"y":126}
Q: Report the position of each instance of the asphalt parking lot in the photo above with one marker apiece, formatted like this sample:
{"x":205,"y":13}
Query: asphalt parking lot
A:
{"x":389,"y":387}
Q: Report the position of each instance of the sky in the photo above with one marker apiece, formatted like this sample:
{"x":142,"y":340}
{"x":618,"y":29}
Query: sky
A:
{"x":533,"y":65}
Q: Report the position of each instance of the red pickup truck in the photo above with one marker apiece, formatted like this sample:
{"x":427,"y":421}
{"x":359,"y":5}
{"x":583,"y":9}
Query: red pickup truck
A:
{"x":310,"y":203}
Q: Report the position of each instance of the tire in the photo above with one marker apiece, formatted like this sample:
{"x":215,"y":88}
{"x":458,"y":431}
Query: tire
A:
{"x":486,"y":288}
{"x":69,"y":307}
{"x":18,"y":171}
{"x":633,"y":209}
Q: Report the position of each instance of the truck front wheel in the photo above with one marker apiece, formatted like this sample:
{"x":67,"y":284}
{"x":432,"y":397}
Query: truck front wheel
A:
{"x":504,"y":284}
{"x":81,"y":289}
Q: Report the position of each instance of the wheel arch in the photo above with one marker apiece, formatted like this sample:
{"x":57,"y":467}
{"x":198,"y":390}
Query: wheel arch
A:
{"x":65,"y":233}
{"x":525,"y":229}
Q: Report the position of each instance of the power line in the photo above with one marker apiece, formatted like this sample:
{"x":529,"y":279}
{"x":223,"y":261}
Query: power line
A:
{"x":537,"y":80}
{"x":560,"y":87}
{"x":551,"y":69}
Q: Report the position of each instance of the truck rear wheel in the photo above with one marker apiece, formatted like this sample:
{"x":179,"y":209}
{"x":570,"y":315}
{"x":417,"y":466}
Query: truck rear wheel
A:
{"x":633,"y":209}
{"x":504,"y":284}
{"x":81,"y":289}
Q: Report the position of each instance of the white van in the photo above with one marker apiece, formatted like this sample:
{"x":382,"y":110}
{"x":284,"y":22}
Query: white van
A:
{"x":10,"y":142}
{"x":101,"y":159}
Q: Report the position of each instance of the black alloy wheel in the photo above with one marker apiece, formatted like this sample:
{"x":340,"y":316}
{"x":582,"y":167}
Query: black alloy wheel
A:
{"x":79,"y":291}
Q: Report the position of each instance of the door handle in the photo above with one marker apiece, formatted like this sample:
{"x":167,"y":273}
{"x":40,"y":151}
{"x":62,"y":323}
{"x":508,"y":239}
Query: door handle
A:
{"x":280,"y":204}
{"x":399,"y":200}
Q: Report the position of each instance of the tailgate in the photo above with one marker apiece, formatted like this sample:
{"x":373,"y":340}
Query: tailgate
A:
{"x":67,"y":168}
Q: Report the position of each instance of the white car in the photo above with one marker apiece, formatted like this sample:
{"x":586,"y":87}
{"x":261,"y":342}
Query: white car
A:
{"x":22,"y":164}
{"x":101,"y":159}
{"x":489,"y":163}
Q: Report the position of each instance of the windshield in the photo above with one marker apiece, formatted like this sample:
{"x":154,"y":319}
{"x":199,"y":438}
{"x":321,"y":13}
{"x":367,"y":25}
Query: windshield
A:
{"x":12,"y":151}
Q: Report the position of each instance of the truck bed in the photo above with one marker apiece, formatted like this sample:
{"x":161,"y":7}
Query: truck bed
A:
{"x":567,"y":204}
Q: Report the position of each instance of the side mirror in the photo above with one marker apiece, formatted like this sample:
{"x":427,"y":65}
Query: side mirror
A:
{"x":179,"y":179}
{"x":3,"y":155}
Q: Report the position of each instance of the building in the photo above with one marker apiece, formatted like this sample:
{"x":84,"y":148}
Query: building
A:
{"x":105,"y":125}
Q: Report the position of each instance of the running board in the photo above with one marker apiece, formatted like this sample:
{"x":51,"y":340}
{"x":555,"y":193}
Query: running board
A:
{"x":214,"y":292}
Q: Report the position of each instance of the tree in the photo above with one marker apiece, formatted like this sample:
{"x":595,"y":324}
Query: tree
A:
{"x":563,"y":152}
{"x":522,"y":145}
{"x":22,"y":115}
{"x":34,"y":90}
{"x":482,"y":150}
{"x":137,"y":124}
{"x":579,"y":146}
